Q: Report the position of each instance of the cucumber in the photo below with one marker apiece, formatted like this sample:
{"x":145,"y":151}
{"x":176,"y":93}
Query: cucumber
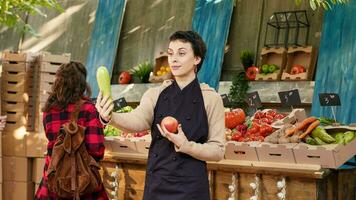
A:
{"x":103,"y":78}
{"x":319,"y":141}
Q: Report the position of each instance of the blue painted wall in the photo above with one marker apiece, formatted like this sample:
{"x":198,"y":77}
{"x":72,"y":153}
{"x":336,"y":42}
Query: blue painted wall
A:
{"x":212,"y":21}
{"x":336,"y":70}
{"x":104,"y":39}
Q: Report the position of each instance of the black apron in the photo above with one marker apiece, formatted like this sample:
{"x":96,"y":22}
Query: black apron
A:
{"x":171,"y":175}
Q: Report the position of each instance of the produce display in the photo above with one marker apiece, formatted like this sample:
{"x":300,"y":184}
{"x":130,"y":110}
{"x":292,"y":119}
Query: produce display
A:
{"x":255,"y":128}
{"x":112,"y":131}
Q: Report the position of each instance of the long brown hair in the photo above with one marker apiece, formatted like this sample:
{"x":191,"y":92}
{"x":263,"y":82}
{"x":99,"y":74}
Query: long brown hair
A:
{"x":69,"y":87}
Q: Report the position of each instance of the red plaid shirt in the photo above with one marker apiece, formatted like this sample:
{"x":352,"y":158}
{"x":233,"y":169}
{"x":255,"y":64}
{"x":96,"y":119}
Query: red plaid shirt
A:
{"x":94,"y":142}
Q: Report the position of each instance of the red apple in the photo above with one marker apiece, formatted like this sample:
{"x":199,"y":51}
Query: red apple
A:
{"x":124,"y":78}
{"x":170,"y":123}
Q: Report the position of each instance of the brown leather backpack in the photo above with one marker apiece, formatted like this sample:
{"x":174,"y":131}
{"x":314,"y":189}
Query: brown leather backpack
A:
{"x":72,"y":171}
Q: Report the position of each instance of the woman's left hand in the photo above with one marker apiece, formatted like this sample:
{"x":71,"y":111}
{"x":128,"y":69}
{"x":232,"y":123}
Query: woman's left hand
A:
{"x":178,"y":139}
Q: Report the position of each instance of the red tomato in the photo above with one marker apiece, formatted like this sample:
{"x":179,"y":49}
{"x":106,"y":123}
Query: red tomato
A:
{"x":260,"y":138}
{"x":251,"y":73}
{"x":124,"y":78}
{"x":231,"y":120}
{"x":269,"y":129}
{"x":236,"y":137}
{"x":279,"y":116}
{"x":263,"y":121}
{"x":271,"y":113}
{"x":259,"y":115}
{"x":241,"y":116}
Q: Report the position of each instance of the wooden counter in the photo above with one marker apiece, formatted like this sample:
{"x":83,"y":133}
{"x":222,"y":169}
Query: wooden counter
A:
{"x":301,"y":181}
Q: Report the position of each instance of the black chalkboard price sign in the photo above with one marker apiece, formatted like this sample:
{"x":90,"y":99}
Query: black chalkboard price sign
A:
{"x":120,"y":103}
{"x":290,"y":98}
{"x":329,"y":99}
{"x":225,"y":100}
{"x":253,"y":100}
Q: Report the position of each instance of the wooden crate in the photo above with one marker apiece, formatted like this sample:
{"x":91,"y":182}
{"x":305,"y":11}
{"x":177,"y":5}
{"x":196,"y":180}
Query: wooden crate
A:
{"x":305,"y":56}
{"x":14,"y":119}
{"x":282,"y":153}
{"x":12,"y":106}
{"x":131,"y":180}
{"x":16,"y":57}
{"x":241,"y":151}
{"x":17,"y":67}
{"x":48,"y":67}
{"x":277,"y":56}
{"x":160,"y":61}
{"x":54,"y":59}
{"x":15,"y":96}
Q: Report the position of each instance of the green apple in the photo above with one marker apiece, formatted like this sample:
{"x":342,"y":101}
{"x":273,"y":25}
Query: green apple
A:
{"x":272,"y":68}
{"x":265,"y":68}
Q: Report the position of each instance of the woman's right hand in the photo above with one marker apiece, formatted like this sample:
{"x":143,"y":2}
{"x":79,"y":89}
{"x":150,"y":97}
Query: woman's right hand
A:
{"x":104,"y":105}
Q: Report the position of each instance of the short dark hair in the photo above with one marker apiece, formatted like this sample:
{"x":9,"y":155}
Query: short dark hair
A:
{"x":198,"y":45}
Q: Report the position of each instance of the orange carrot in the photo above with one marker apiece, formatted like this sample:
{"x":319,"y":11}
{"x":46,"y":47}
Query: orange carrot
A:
{"x":290,"y":131}
{"x":305,"y":123}
{"x":310,"y":129}
{"x":301,"y":126}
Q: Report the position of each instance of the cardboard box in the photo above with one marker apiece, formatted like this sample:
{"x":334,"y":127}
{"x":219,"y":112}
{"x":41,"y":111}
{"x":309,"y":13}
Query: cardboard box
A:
{"x":18,"y":190}
{"x":241,"y":151}
{"x":143,"y":147}
{"x":113,"y":144}
{"x":36,"y":145}
{"x":14,"y":142}
{"x":17,"y":169}
{"x":328,"y":156}
{"x":37,"y":170}
{"x":282,"y":153}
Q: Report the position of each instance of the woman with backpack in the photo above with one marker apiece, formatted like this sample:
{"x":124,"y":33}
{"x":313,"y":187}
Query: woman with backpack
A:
{"x":70,"y":93}
{"x":176,"y":166}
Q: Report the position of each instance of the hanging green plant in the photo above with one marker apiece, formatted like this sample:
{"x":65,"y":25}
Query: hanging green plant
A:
{"x":238,"y":91}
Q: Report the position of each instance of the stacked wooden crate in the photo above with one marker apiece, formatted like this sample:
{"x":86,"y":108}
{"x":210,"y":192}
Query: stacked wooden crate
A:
{"x":46,"y":66}
{"x":26,"y":80}
{"x":16,"y":95}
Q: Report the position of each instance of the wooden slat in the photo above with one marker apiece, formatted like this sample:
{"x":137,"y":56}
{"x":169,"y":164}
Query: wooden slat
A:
{"x":336,"y":66}
{"x":212,"y":15}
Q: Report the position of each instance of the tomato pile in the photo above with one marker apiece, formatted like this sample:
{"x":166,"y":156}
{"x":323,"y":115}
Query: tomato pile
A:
{"x":255,"y":129}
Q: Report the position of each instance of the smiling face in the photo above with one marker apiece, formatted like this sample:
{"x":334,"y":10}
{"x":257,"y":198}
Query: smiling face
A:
{"x":181,"y":59}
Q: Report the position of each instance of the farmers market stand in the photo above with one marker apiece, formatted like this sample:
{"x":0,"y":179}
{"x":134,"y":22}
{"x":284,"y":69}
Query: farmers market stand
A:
{"x":125,"y":173}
